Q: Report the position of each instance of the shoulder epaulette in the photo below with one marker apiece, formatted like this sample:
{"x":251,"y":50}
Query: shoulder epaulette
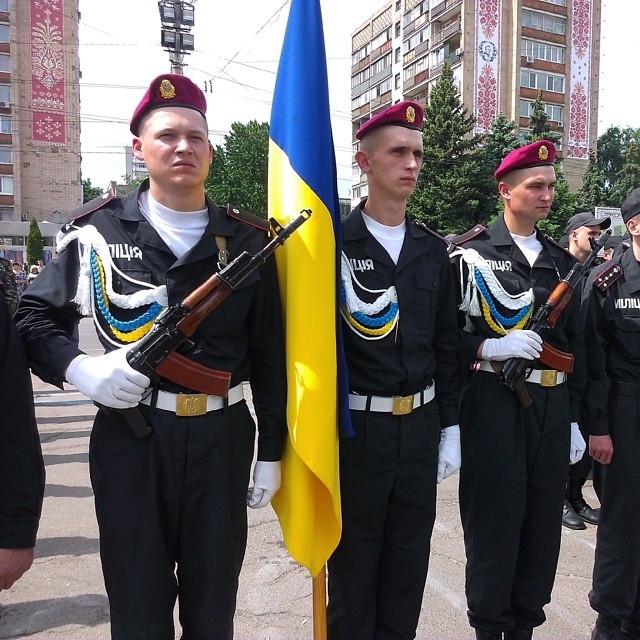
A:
{"x":424,"y":227}
{"x":611,"y":272}
{"x":92,"y":205}
{"x":247,"y":218}
{"x":465,"y":236}
{"x":556,"y":244}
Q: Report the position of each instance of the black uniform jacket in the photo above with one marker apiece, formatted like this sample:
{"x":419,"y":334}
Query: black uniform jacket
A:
{"x":611,"y":312}
{"x":514,"y":273}
{"x":243,"y":335}
{"x":423,"y":346}
{"x":21,"y":466}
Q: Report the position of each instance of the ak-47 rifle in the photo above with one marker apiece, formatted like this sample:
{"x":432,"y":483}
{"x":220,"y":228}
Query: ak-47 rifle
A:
{"x":154,"y":354}
{"x":513,"y":371}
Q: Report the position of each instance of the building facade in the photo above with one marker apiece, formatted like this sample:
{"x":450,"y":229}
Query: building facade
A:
{"x":39,"y":118}
{"x":502,"y":53}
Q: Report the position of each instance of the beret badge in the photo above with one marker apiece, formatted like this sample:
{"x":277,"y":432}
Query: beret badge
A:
{"x":543,"y":152}
{"x":167,"y":90}
{"x":410,"y":114}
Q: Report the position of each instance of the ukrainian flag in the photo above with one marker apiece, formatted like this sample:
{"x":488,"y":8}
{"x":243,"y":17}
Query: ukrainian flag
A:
{"x":302,"y":174}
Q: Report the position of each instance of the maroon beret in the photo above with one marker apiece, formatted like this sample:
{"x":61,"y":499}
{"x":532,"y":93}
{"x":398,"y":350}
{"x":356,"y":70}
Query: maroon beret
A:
{"x":405,"y":114}
{"x":169,"y":90}
{"x":536,"y":154}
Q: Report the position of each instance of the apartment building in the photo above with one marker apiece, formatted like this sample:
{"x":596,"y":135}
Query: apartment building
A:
{"x":39,"y":119}
{"x":502,"y":52}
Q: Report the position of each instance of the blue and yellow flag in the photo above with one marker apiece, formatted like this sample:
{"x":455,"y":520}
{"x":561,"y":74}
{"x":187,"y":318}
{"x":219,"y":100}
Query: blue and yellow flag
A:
{"x":302,"y":175}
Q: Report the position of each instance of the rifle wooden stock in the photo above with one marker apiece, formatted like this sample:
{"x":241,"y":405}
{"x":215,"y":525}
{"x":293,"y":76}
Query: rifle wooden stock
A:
{"x":209,"y":295}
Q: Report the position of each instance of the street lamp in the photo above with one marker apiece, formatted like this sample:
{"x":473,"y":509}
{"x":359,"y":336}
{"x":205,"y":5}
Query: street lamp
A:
{"x":177,"y":18}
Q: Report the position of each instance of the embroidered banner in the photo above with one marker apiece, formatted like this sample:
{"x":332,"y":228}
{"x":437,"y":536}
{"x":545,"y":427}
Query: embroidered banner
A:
{"x":47,"y":71}
{"x":580,"y":84}
{"x":485,"y":101}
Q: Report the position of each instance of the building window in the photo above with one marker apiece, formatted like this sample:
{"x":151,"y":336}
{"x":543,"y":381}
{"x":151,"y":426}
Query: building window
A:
{"x":437,"y":57}
{"x":544,"y":81}
{"x":381,"y":65}
{"x":415,"y":40}
{"x":359,"y":101}
{"x":5,"y":154}
{"x":544,"y":21}
{"x":542,"y":51}
{"x":5,"y":62}
{"x":359,"y":78}
{"x":361,"y":53}
{"x":398,"y":54}
{"x":4,"y":6}
{"x":381,"y":38}
{"x":416,"y":12}
{"x":554,"y":111}
{"x":397,"y":81}
{"x":397,"y":29}
{"x":5,"y":124}
{"x":383,"y":87}
{"x":5,"y":93}
{"x":562,"y":3}
{"x":4,"y":32}
{"x":6,"y":185}
{"x":398,"y":5}
{"x":6,"y":213}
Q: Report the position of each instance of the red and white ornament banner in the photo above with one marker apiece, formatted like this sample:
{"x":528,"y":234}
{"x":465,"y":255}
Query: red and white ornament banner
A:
{"x":47,"y":71}
{"x":487,"y":63}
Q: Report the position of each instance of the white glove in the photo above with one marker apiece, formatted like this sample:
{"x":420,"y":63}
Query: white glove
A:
{"x":108,"y":379}
{"x":519,"y":343}
{"x":449,"y":456}
{"x":578,"y":445}
{"x":266,"y":481}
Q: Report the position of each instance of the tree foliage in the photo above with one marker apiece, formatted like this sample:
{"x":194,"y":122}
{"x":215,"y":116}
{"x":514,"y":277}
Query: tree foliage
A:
{"x":239,"y":170}
{"x":89,"y":192}
{"x":610,"y":150}
{"x":591,"y":193}
{"x":448,"y":194}
{"x":34,"y":243}
{"x":628,"y":177}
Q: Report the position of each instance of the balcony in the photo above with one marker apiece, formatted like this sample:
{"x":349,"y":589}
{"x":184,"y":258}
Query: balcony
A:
{"x":446,"y":33}
{"x":444,"y":10}
{"x":381,"y":100}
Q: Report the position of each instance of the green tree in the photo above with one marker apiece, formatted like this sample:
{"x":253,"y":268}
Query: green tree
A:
{"x":611,"y":146}
{"x":89,"y":192}
{"x":448,"y":195}
{"x":628,"y":177}
{"x":239,"y":170}
{"x":500,"y":139}
{"x":591,"y":193}
{"x":35,"y":243}
{"x":539,"y":123}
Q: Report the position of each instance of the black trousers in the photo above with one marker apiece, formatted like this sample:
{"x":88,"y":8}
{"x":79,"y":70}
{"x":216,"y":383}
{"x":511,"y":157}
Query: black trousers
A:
{"x":512,"y":482}
{"x":388,"y":491}
{"x":616,"y":571}
{"x":171,"y":510}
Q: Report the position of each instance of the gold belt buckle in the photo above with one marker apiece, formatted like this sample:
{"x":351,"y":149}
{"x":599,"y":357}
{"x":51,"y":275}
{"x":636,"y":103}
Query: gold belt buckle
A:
{"x":548,"y":378}
{"x":402,"y":405}
{"x":191,"y":404}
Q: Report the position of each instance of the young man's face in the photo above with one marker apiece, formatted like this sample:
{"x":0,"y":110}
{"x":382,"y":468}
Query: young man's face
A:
{"x":173,"y":144}
{"x":528,"y":193}
{"x":581,"y":235}
{"x":391,"y":156}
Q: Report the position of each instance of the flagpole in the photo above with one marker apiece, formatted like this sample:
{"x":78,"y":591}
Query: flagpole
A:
{"x":319,"y":584}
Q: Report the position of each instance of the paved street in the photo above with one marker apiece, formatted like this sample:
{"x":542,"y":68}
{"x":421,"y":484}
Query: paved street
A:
{"x":63,"y":597}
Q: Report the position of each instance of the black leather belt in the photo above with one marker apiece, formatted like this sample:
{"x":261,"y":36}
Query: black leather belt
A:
{"x":625,"y":388}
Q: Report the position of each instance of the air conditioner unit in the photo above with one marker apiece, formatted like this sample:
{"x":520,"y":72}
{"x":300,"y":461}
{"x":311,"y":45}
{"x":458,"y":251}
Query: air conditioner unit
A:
{"x":459,"y":51}
{"x":529,"y":59}
{"x":560,"y":125}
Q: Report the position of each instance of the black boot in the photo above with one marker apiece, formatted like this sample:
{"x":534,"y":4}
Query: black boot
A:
{"x":487,"y":635}
{"x":607,"y":628}
{"x":570,"y":518}
{"x":519,"y":633}
{"x":579,"y":504}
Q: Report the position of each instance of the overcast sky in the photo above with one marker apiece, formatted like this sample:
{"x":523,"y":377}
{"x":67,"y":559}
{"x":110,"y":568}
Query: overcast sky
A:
{"x":238,"y":51}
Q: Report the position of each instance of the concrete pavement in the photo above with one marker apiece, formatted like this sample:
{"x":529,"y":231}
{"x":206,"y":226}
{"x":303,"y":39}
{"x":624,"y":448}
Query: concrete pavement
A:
{"x":63,"y":597}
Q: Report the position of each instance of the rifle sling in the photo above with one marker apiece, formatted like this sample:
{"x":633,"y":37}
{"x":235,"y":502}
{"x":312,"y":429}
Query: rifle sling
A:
{"x":193,"y":375}
{"x":556,"y":359}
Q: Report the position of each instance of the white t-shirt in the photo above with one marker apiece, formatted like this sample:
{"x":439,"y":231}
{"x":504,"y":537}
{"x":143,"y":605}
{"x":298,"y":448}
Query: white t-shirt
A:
{"x":529,"y":245}
{"x":180,"y":230}
{"x":391,"y":238}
